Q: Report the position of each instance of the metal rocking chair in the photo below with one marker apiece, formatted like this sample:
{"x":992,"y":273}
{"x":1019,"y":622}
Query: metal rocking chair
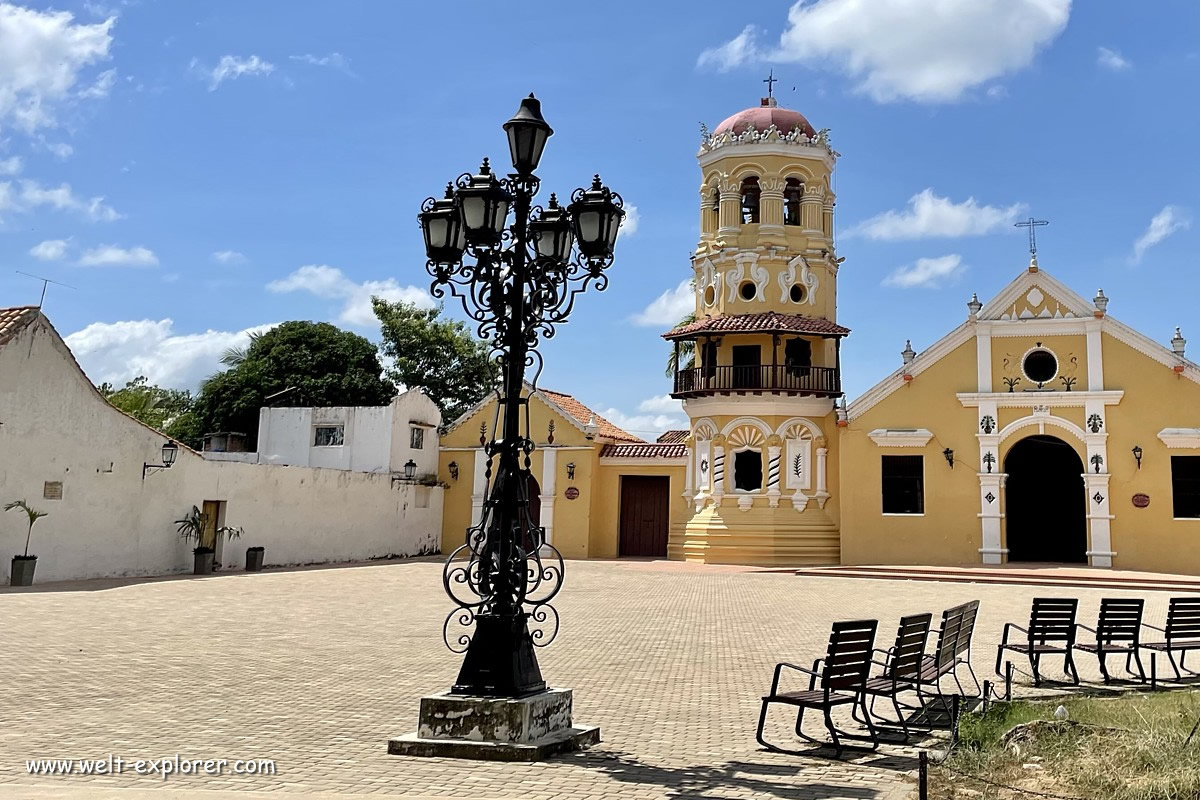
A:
{"x":901,"y":669}
{"x":1118,"y":630}
{"x":842,"y":675}
{"x":1051,"y":631}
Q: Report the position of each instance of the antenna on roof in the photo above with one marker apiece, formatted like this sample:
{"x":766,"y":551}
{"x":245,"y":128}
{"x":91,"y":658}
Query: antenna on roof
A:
{"x":45,"y":282}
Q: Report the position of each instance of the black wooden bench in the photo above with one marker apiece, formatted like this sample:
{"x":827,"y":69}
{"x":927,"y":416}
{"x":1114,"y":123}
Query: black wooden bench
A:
{"x":952,"y":650}
{"x":1182,"y":633}
{"x":842,"y":674}
{"x":901,"y":668}
{"x":1051,"y":631}
{"x":1117,"y":631}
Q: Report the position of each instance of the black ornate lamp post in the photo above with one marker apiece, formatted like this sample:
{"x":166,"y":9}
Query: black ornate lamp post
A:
{"x":517,"y":269}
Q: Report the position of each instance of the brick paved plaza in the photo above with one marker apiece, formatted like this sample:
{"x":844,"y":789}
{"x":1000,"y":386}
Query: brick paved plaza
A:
{"x":316,"y":669}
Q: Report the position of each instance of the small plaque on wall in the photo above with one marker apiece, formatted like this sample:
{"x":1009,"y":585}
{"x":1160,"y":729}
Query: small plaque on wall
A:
{"x":571,"y":493}
{"x":52,"y":490}
{"x":1141,"y":500}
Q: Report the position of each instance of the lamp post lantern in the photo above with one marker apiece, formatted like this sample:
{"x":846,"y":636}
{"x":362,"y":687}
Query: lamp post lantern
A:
{"x":517,"y":269}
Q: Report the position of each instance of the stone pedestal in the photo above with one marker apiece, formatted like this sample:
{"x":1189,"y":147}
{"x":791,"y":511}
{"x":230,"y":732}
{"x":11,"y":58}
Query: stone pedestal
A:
{"x":495,"y":728}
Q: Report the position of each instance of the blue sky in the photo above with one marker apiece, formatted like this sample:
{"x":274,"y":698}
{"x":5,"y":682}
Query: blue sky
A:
{"x":195,"y":171}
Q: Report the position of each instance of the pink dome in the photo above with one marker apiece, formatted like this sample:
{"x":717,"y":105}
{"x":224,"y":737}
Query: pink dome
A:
{"x":763,"y":117}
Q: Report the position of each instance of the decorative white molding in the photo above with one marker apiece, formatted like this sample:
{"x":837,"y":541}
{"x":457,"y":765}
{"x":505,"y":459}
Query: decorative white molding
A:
{"x":1041,"y":421}
{"x":1180,"y":438}
{"x":1032,"y":399}
{"x":805,"y":277}
{"x":924,"y":360}
{"x":901,"y":437}
{"x":781,"y":406}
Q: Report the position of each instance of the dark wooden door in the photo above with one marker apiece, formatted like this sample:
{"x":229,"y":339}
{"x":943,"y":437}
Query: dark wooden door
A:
{"x":747,"y":364}
{"x":645,"y":509}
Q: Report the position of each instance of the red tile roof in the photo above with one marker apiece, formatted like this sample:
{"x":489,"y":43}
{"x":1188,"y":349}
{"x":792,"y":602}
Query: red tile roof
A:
{"x":14,"y":319}
{"x":768,"y":322}
{"x":644,"y":451}
{"x":672,"y":437}
{"x":762,"y":117}
{"x":583,"y":415}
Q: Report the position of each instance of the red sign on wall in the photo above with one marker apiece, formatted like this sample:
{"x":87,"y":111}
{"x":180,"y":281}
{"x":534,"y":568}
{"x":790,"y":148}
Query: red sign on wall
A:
{"x":571,"y":493}
{"x":1141,"y":500}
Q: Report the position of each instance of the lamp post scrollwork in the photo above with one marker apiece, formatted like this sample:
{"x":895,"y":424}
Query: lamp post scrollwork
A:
{"x":518,"y":269}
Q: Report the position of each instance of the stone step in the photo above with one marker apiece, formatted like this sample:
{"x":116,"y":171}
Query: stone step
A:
{"x":1058,"y":578}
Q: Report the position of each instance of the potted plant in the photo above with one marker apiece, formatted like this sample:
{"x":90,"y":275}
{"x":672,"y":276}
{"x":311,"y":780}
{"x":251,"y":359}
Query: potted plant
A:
{"x":192,"y":528}
{"x":254,"y":558}
{"x":23,"y":565}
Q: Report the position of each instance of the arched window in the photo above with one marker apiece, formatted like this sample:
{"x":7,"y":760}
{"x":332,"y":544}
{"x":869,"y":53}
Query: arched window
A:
{"x":792,"y":192}
{"x":750,"y":196}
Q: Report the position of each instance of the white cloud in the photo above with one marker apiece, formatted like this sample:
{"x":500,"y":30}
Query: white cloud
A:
{"x":1165,"y":223}
{"x":1111,"y":59}
{"x":31,"y":195}
{"x":927,"y":272}
{"x":11,"y":166}
{"x":232,"y":67}
{"x":49,"y":250}
{"x":629,"y":225}
{"x":929,"y":216}
{"x":647,"y":426}
{"x":229,"y":257}
{"x":108,"y":255}
{"x":661,"y":404}
{"x":102,"y":86}
{"x":60,"y":150}
{"x":734,"y":53}
{"x":930,"y":51}
{"x":333,"y":60}
{"x":323,"y":280}
{"x":42,"y":57}
{"x":669,"y":307}
{"x":119,"y":351}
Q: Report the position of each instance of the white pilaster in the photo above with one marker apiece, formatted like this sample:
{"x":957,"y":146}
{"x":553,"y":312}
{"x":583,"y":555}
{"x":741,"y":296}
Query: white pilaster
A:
{"x":549,"y":479}
{"x":1100,"y":553}
{"x":773,"y":476}
{"x":687,"y":474}
{"x":983,"y":357}
{"x":822,"y":494}
{"x":718,"y":473}
{"x":990,"y":515}
{"x":479,"y":486}
{"x":1095,"y":357}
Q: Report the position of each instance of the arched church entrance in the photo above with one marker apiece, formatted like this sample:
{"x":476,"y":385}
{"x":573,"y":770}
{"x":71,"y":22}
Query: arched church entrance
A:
{"x":1045,"y":507}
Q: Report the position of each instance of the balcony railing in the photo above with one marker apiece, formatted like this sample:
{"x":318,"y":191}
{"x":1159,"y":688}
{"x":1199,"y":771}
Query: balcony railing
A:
{"x":757,"y":378}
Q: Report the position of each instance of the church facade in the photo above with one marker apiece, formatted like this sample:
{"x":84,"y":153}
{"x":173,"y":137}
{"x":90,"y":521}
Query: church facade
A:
{"x":1040,"y":429}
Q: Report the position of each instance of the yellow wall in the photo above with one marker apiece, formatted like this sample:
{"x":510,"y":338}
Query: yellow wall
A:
{"x":1070,"y":350}
{"x":1155,"y":398}
{"x":606,"y":502}
{"x":949,"y":530}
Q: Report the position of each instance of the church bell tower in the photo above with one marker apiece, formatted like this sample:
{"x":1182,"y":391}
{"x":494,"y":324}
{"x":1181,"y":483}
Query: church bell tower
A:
{"x":758,"y":366}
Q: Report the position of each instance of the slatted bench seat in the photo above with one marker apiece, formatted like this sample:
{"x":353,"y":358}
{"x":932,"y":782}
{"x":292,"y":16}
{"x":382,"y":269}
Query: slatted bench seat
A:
{"x":1182,"y":633}
{"x":1051,"y":631}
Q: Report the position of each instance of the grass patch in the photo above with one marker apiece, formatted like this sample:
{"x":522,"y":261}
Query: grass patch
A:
{"x":1130,"y":747}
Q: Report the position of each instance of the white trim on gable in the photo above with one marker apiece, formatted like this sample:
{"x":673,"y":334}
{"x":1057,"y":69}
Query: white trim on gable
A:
{"x":995,"y":308}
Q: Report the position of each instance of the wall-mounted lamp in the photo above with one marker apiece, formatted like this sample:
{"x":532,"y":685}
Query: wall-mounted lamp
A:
{"x":454,"y":470}
{"x":571,"y":471}
{"x":1137,"y":453}
{"x":169,"y":451}
{"x":949,"y":454}
{"x":410,"y":472}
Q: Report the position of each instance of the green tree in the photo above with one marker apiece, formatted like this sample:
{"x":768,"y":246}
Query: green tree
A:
{"x":316,"y":363}
{"x":441,"y":357}
{"x":168,"y":410}
{"x":687,"y":350}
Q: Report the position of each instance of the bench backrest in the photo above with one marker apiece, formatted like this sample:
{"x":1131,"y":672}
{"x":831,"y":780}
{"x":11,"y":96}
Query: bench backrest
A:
{"x":1052,"y":619}
{"x":848,"y":658}
{"x":1120,"y":620}
{"x":905,"y":663}
{"x":968,"y":613}
{"x":1183,"y":618}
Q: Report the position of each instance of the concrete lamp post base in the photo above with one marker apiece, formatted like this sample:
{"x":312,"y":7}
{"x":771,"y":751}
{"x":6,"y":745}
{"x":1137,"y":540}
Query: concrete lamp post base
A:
{"x":528,"y":728}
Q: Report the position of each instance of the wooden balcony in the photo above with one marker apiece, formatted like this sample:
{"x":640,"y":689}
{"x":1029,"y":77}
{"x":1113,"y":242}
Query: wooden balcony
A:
{"x":757,"y":379}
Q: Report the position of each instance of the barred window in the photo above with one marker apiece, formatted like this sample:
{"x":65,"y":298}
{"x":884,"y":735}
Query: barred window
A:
{"x":903,"y":484}
{"x":329,"y":436}
{"x":416,"y":437}
{"x":1185,"y":486}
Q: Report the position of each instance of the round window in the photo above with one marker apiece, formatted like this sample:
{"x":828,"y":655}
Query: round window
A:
{"x":747,"y":290}
{"x":797,"y":293}
{"x":1040,"y":366}
{"x":710,"y":296}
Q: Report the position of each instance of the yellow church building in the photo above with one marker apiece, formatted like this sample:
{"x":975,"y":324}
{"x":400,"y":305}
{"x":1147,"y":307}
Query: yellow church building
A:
{"x":1039,"y":430}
